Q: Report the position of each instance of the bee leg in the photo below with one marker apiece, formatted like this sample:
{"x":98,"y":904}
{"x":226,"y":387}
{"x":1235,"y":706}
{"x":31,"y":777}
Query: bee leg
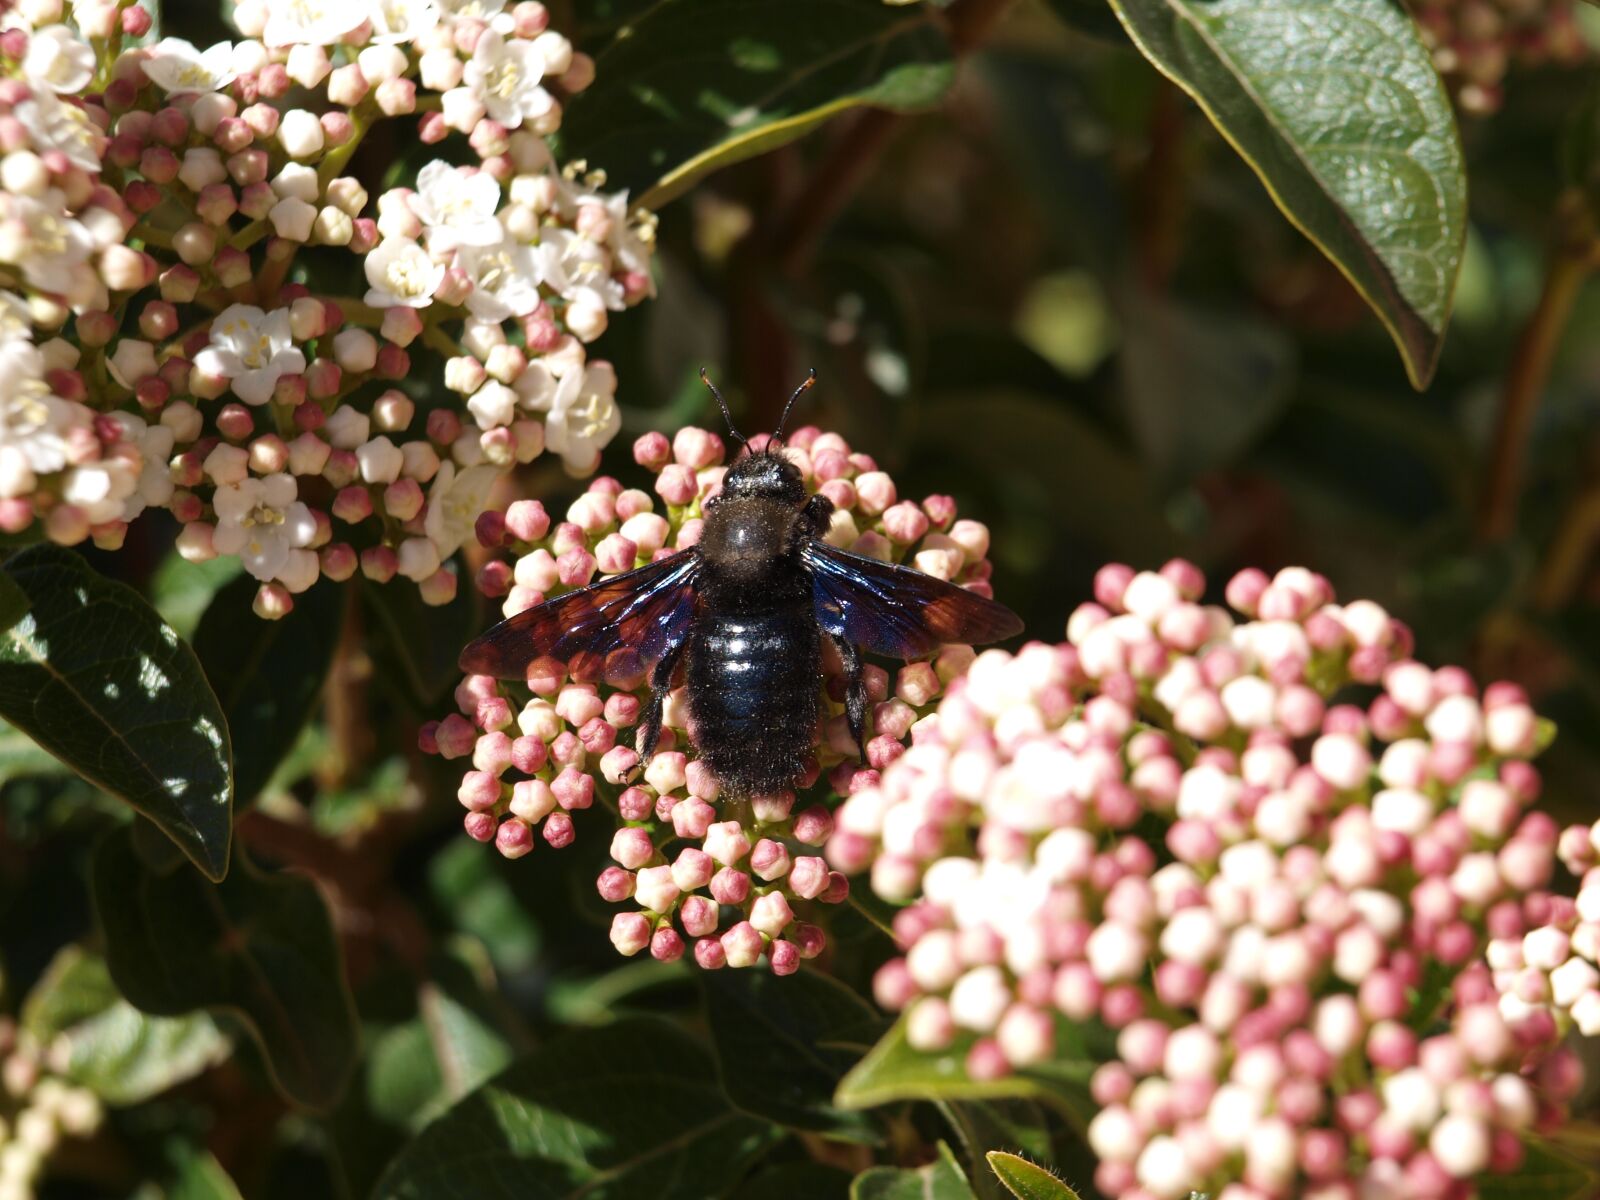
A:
{"x":650,"y":723}
{"x":855,"y":695}
{"x":818,"y":515}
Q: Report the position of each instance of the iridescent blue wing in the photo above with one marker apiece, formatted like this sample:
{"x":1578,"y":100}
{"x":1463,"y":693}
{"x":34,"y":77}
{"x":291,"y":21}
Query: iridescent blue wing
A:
{"x":898,"y":611}
{"x":614,"y":630}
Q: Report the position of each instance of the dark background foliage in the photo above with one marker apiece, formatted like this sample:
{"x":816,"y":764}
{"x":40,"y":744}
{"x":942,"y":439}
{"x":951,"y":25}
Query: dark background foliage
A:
{"x":1056,"y":293}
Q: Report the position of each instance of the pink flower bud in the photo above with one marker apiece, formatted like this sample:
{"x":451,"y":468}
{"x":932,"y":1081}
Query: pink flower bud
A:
{"x":630,"y":933}
{"x":743,"y":945}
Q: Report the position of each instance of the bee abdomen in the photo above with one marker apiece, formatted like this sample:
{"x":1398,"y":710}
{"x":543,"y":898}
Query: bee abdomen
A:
{"x":753,"y":683}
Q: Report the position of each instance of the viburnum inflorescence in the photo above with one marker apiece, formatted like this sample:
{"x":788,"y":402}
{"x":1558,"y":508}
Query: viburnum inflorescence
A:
{"x":730,"y":877}
{"x":1474,"y":42}
{"x":1290,"y":874}
{"x":154,"y":201}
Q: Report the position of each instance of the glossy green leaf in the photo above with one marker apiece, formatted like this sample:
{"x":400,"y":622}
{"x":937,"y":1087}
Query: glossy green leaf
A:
{"x":892,"y":1071}
{"x":1026,"y":1180}
{"x":942,"y":1179}
{"x":694,"y":85}
{"x":98,"y":679}
{"x":628,"y":1111}
{"x":783,"y":1044}
{"x":95,"y":1038}
{"x":267,"y":674}
{"x":259,"y":947}
{"x":1336,"y":105}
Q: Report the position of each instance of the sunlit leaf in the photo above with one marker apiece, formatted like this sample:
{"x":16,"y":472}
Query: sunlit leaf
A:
{"x":98,"y":679}
{"x":1026,"y":1180}
{"x":94,"y":1037}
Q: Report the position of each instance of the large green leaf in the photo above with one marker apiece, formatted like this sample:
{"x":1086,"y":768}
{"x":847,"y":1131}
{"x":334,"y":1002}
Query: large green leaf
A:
{"x":260,"y":947}
{"x":267,"y":674}
{"x":93,"y":675}
{"x":196,"y":1175}
{"x":1336,"y":105}
{"x":892,"y":1070}
{"x":1545,"y":1174}
{"x":942,"y":1179}
{"x":94,"y":1037}
{"x":783,"y":1044}
{"x":628,"y":1110}
{"x":694,"y":85}
{"x":1026,"y":1180}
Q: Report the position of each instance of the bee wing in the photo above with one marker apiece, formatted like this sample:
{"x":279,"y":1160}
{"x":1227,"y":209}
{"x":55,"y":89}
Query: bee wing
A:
{"x":615,"y":630}
{"x":898,"y":611}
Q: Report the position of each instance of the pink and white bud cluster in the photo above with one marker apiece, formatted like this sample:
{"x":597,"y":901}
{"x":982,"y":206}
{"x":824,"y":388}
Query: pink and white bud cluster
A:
{"x":1275,"y":971}
{"x":1474,"y":42}
{"x":39,"y":1109}
{"x":153,"y":200}
{"x":684,"y":856}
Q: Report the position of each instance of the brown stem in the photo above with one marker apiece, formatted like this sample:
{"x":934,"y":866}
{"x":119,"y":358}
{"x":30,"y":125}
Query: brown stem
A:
{"x":1571,"y":261}
{"x":345,"y":697}
{"x":1162,"y":200}
{"x":1576,"y":541}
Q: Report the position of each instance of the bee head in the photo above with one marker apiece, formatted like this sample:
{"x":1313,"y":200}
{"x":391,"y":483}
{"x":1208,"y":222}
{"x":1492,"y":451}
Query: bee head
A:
{"x":764,"y":474}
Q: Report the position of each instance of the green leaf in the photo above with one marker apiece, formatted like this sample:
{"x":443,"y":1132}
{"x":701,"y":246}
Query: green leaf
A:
{"x":196,"y":1175}
{"x":1336,"y":106}
{"x":1199,"y":385}
{"x":260,"y":947}
{"x":181,"y":589}
{"x":98,"y":679}
{"x":942,"y":1179}
{"x":1026,"y":1180}
{"x":694,"y":85}
{"x":783,"y":1044}
{"x":628,"y":1111}
{"x":1544,"y":1174}
{"x":267,"y":674}
{"x":94,"y":1037}
{"x":421,"y":641}
{"x":1016,"y":1126}
{"x":21,"y":756}
{"x":892,"y":1071}
{"x":785,"y":1181}
{"x":417,"y":1069}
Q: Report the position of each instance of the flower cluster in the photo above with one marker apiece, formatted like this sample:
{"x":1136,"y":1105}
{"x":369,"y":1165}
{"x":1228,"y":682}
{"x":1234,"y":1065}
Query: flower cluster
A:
{"x":40,"y":1108}
{"x":154,"y":203}
{"x":685,"y":857}
{"x":1336,"y":970}
{"x":1474,"y":42}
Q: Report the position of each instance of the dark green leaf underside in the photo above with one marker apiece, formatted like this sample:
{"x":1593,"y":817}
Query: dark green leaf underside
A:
{"x":257,"y":946}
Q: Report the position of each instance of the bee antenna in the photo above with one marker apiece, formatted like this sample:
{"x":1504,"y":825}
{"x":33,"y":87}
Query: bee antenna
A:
{"x":726,"y":415}
{"x":811,"y":378}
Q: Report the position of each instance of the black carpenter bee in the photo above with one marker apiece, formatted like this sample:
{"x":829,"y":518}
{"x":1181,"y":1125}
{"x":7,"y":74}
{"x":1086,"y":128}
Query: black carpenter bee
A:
{"x":744,"y":613}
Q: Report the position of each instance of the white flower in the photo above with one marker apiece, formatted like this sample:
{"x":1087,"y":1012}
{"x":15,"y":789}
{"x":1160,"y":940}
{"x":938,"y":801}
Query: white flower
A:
{"x":177,"y":66}
{"x":471,"y":10}
{"x":583,"y":416}
{"x":58,"y":59}
{"x":261,"y":521}
{"x":402,"y":21}
{"x":15,"y":324}
{"x":252,"y":350}
{"x":457,"y":206}
{"x":100,"y":489}
{"x":311,"y":22}
{"x":577,"y":269}
{"x":504,"y":277}
{"x":54,"y":124}
{"x":401,"y":275}
{"x":505,"y":76}
{"x":34,"y":424}
{"x":455,"y":501}
{"x":54,"y":247}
